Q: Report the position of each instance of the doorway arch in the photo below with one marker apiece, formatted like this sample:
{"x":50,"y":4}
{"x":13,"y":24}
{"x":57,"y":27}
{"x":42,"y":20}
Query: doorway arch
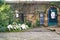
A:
{"x":52,"y":16}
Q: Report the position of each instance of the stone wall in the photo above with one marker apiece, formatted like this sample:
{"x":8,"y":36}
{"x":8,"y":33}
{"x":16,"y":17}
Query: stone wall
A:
{"x":31,"y":11}
{"x":59,"y":19}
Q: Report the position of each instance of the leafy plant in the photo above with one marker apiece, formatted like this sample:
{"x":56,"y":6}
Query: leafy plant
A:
{"x":6,"y":15}
{"x":3,"y":29}
{"x":29,"y":23}
{"x":1,"y":2}
{"x":37,"y":22}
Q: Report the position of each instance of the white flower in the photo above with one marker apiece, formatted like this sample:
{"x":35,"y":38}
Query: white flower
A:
{"x":19,"y":26}
{"x":9,"y":27}
{"x":23,"y":26}
{"x":14,"y":27}
{"x":27,"y":26}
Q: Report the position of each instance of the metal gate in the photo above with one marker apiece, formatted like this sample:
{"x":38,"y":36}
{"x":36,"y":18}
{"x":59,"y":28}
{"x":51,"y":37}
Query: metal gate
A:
{"x":41,"y":18}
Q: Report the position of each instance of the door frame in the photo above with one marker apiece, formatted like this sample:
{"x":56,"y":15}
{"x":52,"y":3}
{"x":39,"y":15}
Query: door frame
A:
{"x":47,"y":14}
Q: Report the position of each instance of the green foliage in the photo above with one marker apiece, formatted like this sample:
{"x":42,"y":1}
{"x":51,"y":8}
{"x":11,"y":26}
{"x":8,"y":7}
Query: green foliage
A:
{"x":1,"y":2}
{"x":29,"y":23}
{"x":52,"y":3}
{"x":6,"y":15}
{"x":17,"y":20}
{"x":37,"y":22}
{"x":3,"y":29}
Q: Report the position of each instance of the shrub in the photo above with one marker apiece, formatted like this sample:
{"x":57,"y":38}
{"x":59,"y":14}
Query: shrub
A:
{"x":6,"y":15}
{"x":37,"y":22}
{"x":3,"y":29}
{"x":29,"y":23}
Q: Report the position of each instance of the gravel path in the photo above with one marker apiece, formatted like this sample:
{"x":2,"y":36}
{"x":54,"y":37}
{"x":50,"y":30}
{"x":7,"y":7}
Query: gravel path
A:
{"x":32,"y":34}
{"x":39,"y":30}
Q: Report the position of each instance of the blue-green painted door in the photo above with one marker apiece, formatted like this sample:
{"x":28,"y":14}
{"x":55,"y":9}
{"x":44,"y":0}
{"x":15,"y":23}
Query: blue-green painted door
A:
{"x":52,"y":16}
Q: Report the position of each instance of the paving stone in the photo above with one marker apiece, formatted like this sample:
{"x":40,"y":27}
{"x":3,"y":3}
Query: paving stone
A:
{"x":30,"y":36}
{"x":58,"y":30}
{"x":38,"y":30}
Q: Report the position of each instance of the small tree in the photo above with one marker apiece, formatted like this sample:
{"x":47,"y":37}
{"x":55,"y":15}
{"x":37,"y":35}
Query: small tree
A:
{"x":6,"y":15}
